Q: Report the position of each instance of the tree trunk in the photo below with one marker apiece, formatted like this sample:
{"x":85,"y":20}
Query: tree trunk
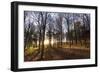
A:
{"x":49,"y":34}
{"x":61,"y":35}
{"x":39,"y":40}
{"x":43,"y":37}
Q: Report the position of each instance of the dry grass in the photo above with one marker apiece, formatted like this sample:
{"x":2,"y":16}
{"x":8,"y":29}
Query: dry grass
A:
{"x":65,"y":52}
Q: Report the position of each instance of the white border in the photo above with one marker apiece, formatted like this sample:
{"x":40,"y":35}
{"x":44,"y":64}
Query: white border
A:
{"x":22,"y":64}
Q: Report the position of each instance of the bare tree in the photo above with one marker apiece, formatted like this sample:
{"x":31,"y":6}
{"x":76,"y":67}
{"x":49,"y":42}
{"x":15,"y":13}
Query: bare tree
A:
{"x":43,"y":19}
{"x":68,"y":34}
{"x":28,"y":30}
{"x":59,"y":27}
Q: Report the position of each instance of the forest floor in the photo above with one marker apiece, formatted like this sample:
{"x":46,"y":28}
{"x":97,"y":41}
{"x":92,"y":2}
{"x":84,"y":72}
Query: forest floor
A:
{"x":58,"y":54}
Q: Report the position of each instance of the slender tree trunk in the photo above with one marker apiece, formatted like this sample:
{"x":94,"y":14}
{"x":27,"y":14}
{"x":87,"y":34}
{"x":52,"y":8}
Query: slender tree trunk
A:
{"x":49,"y":39}
{"x":43,"y":37}
{"x":66,"y":37}
{"x":27,"y":37}
{"x":80,"y":38}
{"x":68,"y":34}
{"x":84,"y":31}
{"x":61,"y":35}
{"x":42,"y":51}
{"x":75,"y":30}
{"x":39,"y":40}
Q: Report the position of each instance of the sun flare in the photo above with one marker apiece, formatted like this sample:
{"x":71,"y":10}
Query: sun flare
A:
{"x":46,"y":42}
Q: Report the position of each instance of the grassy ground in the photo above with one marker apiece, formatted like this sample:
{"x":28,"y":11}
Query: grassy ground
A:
{"x":58,"y":53}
